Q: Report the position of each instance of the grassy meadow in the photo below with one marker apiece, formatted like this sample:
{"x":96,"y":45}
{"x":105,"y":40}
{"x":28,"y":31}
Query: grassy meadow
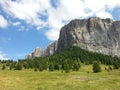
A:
{"x":84,"y":79}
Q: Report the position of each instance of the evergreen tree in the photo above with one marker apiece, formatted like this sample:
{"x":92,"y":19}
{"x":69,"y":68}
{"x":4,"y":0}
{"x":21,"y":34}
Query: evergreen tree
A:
{"x":96,"y":67}
{"x":76,"y":66}
{"x":40,"y":68}
{"x":66,"y":67}
{"x":56,"y":67}
{"x":35,"y":69}
{"x":18,"y":66}
{"x":51,"y":67}
{"x":116,"y":65}
{"x":3,"y":67}
{"x":11,"y":66}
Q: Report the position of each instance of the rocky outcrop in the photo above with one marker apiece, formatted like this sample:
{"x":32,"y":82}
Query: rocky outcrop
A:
{"x":28,"y":56}
{"x":51,"y":49}
{"x":93,"y":34}
{"x":37,"y":53}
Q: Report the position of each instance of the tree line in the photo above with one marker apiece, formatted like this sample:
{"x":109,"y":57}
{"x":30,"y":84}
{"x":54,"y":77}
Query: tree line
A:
{"x":67,"y":60}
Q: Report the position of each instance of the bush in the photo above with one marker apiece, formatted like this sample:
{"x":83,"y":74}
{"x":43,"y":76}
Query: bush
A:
{"x":96,"y":67}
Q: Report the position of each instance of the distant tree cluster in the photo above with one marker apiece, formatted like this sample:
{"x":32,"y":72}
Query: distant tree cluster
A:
{"x":66,"y":61}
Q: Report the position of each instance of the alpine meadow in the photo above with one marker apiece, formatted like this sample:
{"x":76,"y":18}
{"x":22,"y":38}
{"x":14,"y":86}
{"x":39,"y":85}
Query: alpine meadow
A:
{"x":59,"y":44}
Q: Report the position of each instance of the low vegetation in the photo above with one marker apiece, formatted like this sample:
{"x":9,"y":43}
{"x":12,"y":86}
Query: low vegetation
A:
{"x":84,"y":79}
{"x":71,"y":69}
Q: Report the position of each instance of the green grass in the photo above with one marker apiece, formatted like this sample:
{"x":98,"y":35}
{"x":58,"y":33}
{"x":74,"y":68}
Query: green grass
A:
{"x":81,"y":80}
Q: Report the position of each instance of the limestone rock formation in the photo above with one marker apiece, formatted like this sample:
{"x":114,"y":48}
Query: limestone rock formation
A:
{"x":28,"y":56}
{"x":37,"y":53}
{"x":94,"y":34}
{"x":51,"y":49}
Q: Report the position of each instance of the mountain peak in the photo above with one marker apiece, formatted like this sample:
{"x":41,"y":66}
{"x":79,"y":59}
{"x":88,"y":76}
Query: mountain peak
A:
{"x":93,"y":34}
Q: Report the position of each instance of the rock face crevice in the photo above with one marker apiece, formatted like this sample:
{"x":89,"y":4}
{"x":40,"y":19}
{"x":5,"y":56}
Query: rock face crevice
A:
{"x":93,"y":34}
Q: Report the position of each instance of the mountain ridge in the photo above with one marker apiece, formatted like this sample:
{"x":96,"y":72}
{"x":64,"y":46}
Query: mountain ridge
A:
{"x":92,"y":34}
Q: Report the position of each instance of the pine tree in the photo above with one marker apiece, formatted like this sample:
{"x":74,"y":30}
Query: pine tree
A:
{"x":66,"y":67}
{"x":3,"y":67}
{"x":51,"y":67}
{"x":116,"y":65}
{"x":96,"y":67}
{"x":35,"y":69}
{"x":76,"y":66}
{"x":18,"y":66}
{"x":56,"y":67}
{"x":11,"y":67}
{"x":40,"y":68}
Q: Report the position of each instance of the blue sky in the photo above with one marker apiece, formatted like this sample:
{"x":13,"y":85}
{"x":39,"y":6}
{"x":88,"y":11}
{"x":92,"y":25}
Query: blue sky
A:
{"x":26,"y":24}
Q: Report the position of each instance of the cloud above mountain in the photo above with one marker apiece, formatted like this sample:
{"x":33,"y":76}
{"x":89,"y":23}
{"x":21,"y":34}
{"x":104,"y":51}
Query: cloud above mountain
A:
{"x":53,"y":14}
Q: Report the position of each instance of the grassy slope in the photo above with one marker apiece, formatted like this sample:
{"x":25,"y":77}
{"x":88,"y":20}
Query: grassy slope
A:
{"x":30,"y":80}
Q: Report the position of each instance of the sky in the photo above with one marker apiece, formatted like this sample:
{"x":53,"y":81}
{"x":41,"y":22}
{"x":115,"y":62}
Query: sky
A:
{"x":26,"y":24}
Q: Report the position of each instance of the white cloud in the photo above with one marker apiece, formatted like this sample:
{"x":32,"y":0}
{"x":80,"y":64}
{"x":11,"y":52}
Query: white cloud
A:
{"x":31,"y":11}
{"x":103,"y":14}
{"x":67,"y":10}
{"x":3,"y":56}
{"x":27,"y":10}
{"x":52,"y":34}
{"x":3,"y":22}
{"x":16,"y":24}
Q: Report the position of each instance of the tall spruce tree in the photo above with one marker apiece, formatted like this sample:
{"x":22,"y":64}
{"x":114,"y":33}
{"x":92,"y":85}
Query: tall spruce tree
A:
{"x":96,"y":67}
{"x":3,"y":67}
{"x":51,"y":67}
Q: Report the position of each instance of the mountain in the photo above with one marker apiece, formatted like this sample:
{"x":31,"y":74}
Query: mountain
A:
{"x":51,"y":49}
{"x":92,"y":34}
{"x":36,"y":53}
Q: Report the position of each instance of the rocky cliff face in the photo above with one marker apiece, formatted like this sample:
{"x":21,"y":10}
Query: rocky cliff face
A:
{"x":51,"y":49}
{"x":37,"y":53}
{"x":94,"y":34}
